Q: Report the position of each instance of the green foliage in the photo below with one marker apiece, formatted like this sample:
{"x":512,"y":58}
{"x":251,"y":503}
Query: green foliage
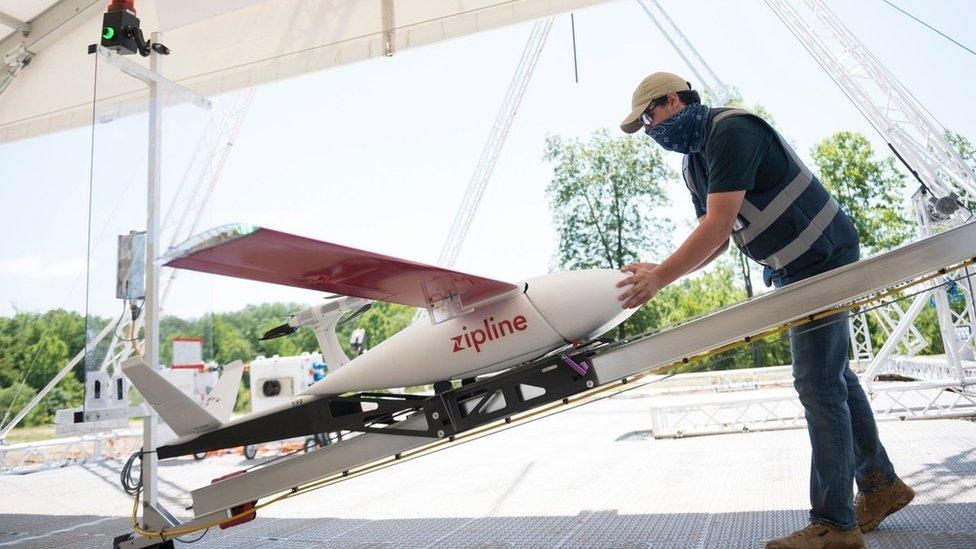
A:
{"x":19,"y":395}
{"x":693,"y":296}
{"x":48,"y":356}
{"x":69,"y":393}
{"x":965,"y":147}
{"x":603,"y":195}
{"x":737,"y":102}
{"x":967,"y":151}
{"x":38,"y":345}
{"x":869,"y":190}
{"x":237,"y":335}
{"x":34,"y":347}
{"x":383,"y":320}
{"x":243,"y":403}
{"x":700,"y":295}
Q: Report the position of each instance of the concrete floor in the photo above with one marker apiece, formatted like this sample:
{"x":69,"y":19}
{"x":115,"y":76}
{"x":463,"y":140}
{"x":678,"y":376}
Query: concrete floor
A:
{"x":590,"y":477}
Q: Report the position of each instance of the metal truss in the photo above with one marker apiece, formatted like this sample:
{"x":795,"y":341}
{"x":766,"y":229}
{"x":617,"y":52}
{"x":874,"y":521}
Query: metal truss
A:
{"x":496,"y":140}
{"x":13,"y":61}
{"x":880,"y":97}
{"x":888,"y":318}
{"x":31,"y":37}
{"x":860,"y":337}
{"x":893,"y":401}
{"x":927,"y":368}
{"x":513,"y":98}
{"x":956,"y":315}
{"x":712,"y":84}
{"x":189,"y":203}
{"x":902,"y":121}
{"x":49,"y":454}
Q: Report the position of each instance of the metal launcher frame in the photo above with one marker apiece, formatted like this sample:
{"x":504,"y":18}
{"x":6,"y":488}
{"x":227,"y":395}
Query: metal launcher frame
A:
{"x":398,"y":427}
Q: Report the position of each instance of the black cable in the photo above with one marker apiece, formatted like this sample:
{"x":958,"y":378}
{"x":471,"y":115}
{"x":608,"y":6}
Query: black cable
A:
{"x":572,"y":23}
{"x":910,"y":169}
{"x":925,"y":187}
{"x":125,"y":476}
{"x":937,"y":31}
{"x":135,"y":314}
{"x":88,"y":243}
{"x":200,"y":537}
{"x":972,"y":299}
{"x":132,"y":487}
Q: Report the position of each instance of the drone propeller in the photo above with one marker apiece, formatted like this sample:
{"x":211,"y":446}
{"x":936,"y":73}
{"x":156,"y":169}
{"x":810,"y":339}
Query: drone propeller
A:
{"x":287,"y":329}
{"x":279,"y":331}
{"x":355,"y":315}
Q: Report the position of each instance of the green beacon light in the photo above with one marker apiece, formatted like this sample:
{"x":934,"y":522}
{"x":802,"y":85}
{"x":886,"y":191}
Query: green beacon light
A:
{"x":108,"y":33}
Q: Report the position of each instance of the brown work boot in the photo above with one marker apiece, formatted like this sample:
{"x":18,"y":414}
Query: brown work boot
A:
{"x":819,"y":536}
{"x":873,"y":507}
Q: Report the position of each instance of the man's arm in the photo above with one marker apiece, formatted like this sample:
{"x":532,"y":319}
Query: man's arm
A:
{"x":721,"y":250}
{"x":701,"y":246}
{"x":706,"y":239}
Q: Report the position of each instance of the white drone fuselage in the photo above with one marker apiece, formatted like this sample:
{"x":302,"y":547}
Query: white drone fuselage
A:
{"x":550,"y":312}
{"x":479,"y":325}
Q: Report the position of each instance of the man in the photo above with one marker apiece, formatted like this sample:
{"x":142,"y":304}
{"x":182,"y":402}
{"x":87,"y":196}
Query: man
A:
{"x":747,"y":183}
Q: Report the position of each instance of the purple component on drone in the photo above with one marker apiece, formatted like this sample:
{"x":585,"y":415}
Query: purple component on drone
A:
{"x":581,"y":367}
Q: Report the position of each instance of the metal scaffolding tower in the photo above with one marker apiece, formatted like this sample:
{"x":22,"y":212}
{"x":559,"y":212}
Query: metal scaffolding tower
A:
{"x":181,"y":221}
{"x":902,"y":121}
{"x":881,"y":98}
{"x":496,"y":140}
{"x":189,"y":203}
{"x":712,"y":84}
{"x":513,"y":98}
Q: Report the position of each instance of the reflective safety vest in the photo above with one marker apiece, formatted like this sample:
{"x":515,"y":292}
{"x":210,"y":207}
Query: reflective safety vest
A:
{"x":792,"y":228}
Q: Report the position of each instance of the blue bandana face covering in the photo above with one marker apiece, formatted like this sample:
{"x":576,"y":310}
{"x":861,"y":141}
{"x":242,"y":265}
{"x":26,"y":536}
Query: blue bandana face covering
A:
{"x":684,"y":132}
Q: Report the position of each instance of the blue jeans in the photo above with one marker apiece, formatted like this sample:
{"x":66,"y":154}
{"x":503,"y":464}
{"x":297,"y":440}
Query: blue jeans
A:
{"x":843,"y":435}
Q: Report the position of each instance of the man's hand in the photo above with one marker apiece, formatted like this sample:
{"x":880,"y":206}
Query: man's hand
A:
{"x":644,"y":284}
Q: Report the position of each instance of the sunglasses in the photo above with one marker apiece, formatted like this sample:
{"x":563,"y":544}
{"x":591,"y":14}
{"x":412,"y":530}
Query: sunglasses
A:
{"x":647,"y":117}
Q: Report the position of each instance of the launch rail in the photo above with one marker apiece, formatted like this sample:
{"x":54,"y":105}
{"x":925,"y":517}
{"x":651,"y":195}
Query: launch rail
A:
{"x":395,"y":428}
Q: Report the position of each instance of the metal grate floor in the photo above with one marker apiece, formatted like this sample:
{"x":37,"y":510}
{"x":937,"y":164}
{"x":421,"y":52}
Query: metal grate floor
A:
{"x":585,"y":478}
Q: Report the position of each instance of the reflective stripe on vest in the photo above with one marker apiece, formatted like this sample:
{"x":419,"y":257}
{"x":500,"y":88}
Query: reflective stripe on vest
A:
{"x":761,"y":219}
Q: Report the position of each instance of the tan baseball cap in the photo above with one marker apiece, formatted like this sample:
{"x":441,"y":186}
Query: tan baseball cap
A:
{"x":654,"y":86}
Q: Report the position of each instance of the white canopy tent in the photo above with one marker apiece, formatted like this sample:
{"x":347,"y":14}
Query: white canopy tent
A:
{"x":219,"y":46}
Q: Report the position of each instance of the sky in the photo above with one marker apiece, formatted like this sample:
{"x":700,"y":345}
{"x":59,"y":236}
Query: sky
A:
{"x":377,"y":154}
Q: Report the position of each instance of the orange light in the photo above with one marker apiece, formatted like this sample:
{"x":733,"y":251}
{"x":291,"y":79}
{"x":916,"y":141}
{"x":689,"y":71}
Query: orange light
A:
{"x":122,"y":5}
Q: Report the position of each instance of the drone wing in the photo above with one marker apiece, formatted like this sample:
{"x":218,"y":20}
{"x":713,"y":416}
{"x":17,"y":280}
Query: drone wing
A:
{"x":256,"y":253}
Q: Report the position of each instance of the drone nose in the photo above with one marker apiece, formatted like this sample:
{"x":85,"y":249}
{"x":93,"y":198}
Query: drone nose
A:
{"x":579,"y":305}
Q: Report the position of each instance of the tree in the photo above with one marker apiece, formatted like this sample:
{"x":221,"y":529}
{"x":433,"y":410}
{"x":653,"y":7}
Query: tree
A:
{"x":229,"y":343}
{"x":736,"y":101}
{"x":603,"y":196}
{"x":869,"y":190}
{"x":699,"y":295}
{"x":383,"y":320}
{"x":965,"y":147}
{"x":967,"y":151}
{"x":12,"y":401}
{"x":48,"y":355}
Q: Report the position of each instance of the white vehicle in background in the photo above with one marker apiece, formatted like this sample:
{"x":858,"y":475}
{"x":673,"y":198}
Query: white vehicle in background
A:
{"x":277,"y":380}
